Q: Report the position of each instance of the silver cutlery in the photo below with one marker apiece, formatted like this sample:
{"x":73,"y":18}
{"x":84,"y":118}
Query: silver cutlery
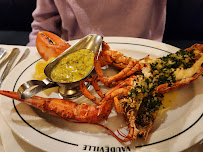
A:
{"x":12,"y":56}
{"x":9,"y":55}
{"x":2,"y":52}
{"x":25,"y":54}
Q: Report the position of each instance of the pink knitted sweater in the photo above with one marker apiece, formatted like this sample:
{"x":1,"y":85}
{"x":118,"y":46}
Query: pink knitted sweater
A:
{"x":73,"y":19}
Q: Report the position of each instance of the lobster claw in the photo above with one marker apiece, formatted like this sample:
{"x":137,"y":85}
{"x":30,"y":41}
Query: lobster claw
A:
{"x":50,"y":45}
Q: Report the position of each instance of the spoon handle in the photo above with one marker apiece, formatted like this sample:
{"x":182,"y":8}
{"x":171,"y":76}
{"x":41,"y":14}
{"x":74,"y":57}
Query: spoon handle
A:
{"x":11,"y":60}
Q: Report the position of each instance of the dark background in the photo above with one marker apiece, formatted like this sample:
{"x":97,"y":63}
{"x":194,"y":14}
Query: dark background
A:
{"x":184,"y":22}
{"x":15,"y":21}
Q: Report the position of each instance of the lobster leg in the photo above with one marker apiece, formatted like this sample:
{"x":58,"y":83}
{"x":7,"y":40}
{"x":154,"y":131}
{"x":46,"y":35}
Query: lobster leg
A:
{"x":96,"y":86}
{"x":67,"y":109}
{"x":117,"y":59}
{"x":132,"y":67}
{"x":87,"y":93}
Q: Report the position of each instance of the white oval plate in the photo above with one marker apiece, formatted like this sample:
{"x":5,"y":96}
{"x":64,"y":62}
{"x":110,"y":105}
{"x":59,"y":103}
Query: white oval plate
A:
{"x":174,"y":130}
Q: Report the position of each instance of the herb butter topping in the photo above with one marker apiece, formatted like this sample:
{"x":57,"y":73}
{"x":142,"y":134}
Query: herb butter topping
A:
{"x":143,"y":100}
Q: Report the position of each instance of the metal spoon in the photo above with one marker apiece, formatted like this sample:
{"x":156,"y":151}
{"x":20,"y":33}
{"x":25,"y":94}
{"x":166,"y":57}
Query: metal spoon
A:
{"x":12,"y":56}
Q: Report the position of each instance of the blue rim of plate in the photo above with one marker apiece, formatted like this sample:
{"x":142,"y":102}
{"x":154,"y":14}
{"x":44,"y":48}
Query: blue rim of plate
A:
{"x":73,"y":144}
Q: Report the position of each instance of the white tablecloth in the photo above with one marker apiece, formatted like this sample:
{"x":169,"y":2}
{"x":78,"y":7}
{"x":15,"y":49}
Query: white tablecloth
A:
{"x":10,"y":142}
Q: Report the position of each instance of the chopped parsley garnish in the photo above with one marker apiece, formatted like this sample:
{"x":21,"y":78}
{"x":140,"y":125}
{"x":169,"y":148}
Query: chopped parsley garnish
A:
{"x":162,"y":70}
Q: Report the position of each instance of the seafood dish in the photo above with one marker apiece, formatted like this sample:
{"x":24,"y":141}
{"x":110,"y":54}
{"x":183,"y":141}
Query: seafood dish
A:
{"x":136,"y":91}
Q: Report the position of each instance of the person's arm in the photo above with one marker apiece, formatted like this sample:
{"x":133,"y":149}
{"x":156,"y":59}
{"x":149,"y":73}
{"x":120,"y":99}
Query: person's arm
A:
{"x":46,"y":17}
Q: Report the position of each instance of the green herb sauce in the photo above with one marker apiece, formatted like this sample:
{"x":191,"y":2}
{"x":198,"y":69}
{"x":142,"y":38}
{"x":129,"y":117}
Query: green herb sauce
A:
{"x":73,"y":67}
{"x":162,"y":71}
